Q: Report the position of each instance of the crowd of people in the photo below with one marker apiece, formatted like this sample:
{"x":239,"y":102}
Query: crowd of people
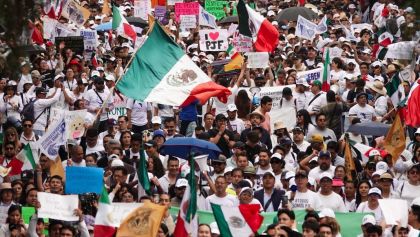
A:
{"x":263,"y":161}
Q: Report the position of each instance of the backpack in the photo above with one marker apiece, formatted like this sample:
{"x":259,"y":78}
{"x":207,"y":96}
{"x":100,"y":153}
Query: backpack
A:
{"x":28,"y":111}
{"x":391,"y":25}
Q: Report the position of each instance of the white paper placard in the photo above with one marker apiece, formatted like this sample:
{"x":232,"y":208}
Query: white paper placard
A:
{"x":394,"y":210}
{"x":58,"y":207}
{"x":188,"y":21}
{"x":258,"y":59}
{"x":214,"y":40}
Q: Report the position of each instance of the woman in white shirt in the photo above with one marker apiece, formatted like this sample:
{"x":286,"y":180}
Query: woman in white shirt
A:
{"x":11,"y":104}
{"x":410,"y":189}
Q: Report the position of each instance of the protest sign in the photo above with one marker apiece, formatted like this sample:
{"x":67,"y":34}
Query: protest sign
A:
{"x":242,"y":43}
{"x":188,"y":21}
{"x":215,"y":7}
{"x":75,"y":121}
{"x":173,"y":2}
{"x":49,"y":27}
{"x":213,"y":40}
{"x":305,"y":29}
{"x":3,"y":214}
{"x":76,"y":13}
{"x":257,"y":59}
{"x":142,"y":8}
{"x":81,"y":180}
{"x":394,"y":211}
{"x":232,"y":29}
{"x":311,"y":75}
{"x":119,"y":211}
{"x":322,"y":25}
{"x":51,"y":141}
{"x":119,"y":107}
{"x":61,"y":30}
{"x":207,"y":19}
{"x":335,"y":52}
{"x":89,"y":39}
{"x":186,"y":8}
{"x":58,"y":207}
{"x":75,"y":43}
{"x":160,"y":13}
{"x":401,"y":50}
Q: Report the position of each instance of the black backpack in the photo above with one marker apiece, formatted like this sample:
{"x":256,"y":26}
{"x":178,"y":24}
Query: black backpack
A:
{"x":28,"y":111}
{"x":391,"y":25}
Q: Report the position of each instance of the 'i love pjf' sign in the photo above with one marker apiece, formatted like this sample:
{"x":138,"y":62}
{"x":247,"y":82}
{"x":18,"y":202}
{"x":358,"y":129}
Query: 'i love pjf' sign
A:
{"x":213,"y":40}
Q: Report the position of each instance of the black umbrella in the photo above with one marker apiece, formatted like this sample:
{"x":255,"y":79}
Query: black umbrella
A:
{"x":369,"y":128}
{"x":137,"y":21}
{"x":292,"y":13}
{"x":229,"y":19}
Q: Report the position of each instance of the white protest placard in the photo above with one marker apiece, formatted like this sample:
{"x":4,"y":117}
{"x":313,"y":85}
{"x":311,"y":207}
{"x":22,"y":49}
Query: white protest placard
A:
{"x":3,"y":214}
{"x":58,"y":207}
{"x":242,"y":43}
{"x":142,"y":8}
{"x":55,"y":136}
{"x":206,"y":19}
{"x":172,"y":2}
{"x":188,"y":21}
{"x":322,"y":25}
{"x":62,"y":30}
{"x":394,"y":211}
{"x":334,"y":52}
{"x":120,"y":102}
{"x":258,"y":59}
{"x":311,"y":75}
{"x":214,"y":40}
{"x":49,"y":27}
{"x":305,"y":29}
{"x":119,"y":211}
{"x":232,"y":29}
{"x":401,"y":50}
{"x":89,"y":39}
{"x":74,"y":12}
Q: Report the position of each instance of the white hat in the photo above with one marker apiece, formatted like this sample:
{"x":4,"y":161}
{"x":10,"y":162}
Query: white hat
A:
{"x":95,"y":73}
{"x":202,"y":54}
{"x":181,"y":183}
{"x":325,"y":175}
{"x":366,"y":50}
{"x":117,"y":163}
{"x":378,"y":172}
{"x":393,"y":7}
{"x":368,"y":219}
{"x":374,"y":152}
{"x":326,"y":212}
{"x":409,"y":9}
{"x":156,"y":120}
{"x":375,"y":191}
{"x":228,"y":169}
{"x":416,"y":202}
{"x":289,"y":174}
{"x":60,"y":75}
{"x":302,"y":81}
{"x":417,"y":131}
{"x":376,"y":64}
{"x":231,"y":108}
{"x":125,"y":45}
{"x":270,"y":13}
{"x":214,"y":228}
{"x":195,"y":59}
{"x":382,"y":165}
{"x":276,"y":156}
{"x":110,"y":77}
{"x":352,"y":6}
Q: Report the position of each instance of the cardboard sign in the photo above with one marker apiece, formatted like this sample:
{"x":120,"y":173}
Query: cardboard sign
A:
{"x":305,"y":29}
{"x":188,"y":21}
{"x":215,"y":7}
{"x":142,"y":8}
{"x":58,"y":207}
{"x":258,"y":59}
{"x":213,"y":40}
{"x":187,"y":8}
{"x":311,"y":75}
{"x":81,"y":180}
{"x":76,"y":13}
{"x":242,"y":43}
{"x":75,"y":43}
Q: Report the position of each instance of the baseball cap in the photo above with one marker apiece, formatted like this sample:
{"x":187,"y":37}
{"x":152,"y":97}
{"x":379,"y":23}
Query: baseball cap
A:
{"x":378,"y":172}
{"x":35,"y":73}
{"x":416,"y":202}
{"x":221,"y":159}
{"x":374,"y":152}
{"x":376,"y":191}
{"x":249,"y":170}
{"x":100,"y":69}
{"x":352,"y":6}
{"x":325,"y":175}
{"x":376,"y":64}
{"x":317,"y":83}
{"x":289,"y":175}
{"x":276,"y":156}
{"x":382,"y":165}
{"x":368,"y":219}
{"x":181,"y":183}
{"x":110,"y":78}
{"x":324,"y":154}
{"x":117,"y":163}
{"x":386,"y":175}
{"x":417,"y":131}
{"x":150,"y":143}
{"x":270,"y":13}
{"x":269,"y":173}
{"x":231,"y":108}
{"x":297,"y":129}
{"x":111,"y":122}
{"x":157,"y":133}
{"x":95,"y":74}
{"x":156,"y":120}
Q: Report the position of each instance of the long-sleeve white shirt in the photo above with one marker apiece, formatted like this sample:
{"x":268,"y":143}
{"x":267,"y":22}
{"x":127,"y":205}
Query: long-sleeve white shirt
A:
{"x":39,"y":106}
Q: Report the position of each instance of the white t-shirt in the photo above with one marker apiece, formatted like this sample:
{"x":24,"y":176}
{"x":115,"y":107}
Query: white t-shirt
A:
{"x":308,"y":199}
{"x":333,"y":201}
{"x":138,"y":111}
{"x":327,"y":133}
{"x":237,"y":125}
{"x":408,"y":191}
{"x":365,"y":114}
{"x":97,"y":99}
{"x":316,"y":104}
{"x":301,"y":99}
{"x":228,"y":200}
{"x":363,"y":207}
{"x":316,"y":172}
{"x":222,"y":107}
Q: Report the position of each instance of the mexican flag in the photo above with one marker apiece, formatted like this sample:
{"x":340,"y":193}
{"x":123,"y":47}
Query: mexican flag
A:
{"x":392,"y":89}
{"x":252,"y":24}
{"x":25,"y":160}
{"x":103,"y":225}
{"x":162,"y":73}
{"x":187,"y":221}
{"x":241,"y":221}
{"x":325,"y":77}
{"x":236,"y":59}
{"x":121,"y":25}
{"x":144,"y":182}
{"x":413,"y":106}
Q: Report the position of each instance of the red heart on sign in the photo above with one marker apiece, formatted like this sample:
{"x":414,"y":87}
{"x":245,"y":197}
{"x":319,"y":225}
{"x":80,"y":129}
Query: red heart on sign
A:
{"x":214,"y":35}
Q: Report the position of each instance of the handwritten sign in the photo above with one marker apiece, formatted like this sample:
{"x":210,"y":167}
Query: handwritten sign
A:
{"x":53,"y":139}
{"x":59,"y":207}
{"x":258,"y":59}
{"x":311,"y":75}
{"x":188,"y":21}
{"x":213,"y":40}
{"x":215,"y":7}
{"x":142,"y":8}
{"x":119,"y":211}
{"x":81,"y":180}
{"x":242,"y":43}
{"x":305,"y":29}
{"x":186,"y":8}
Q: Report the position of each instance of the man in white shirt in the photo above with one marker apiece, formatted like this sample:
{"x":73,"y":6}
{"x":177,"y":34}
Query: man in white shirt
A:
{"x":362,"y":110}
{"x":219,"y":166}
{"x":220,"y":197}
{"x":234,"y":124}
{"x":381,"y":101}
{"x":76,"y":158}
{"x":300,"y":94}
{"x":100,"y":101}
{"x":299,"y":139}
{"x":322,"y":129}
{"x":169,"y":178}
{"x":317,"y":101}
{"x":42,"y":106}
{"x":324,"y":165}
{"x":328,"y":198}
{"x":301,"y":198}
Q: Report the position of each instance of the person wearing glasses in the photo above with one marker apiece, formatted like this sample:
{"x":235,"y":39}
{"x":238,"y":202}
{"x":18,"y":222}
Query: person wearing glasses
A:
{"x":28,"y":135}
{"x":410,"y":189}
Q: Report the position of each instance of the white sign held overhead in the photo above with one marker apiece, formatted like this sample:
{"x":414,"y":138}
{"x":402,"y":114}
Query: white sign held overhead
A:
{"x":206,"y":19}
{"x":58,"y":207}
{"x":89,"y":39}
{"x":142,"y":8}
{"x":258,"y":59}
{"x":188,"y":21}
{"x":305,"y":29}
{"x":311,"y":75}
{"x":213,"y":40}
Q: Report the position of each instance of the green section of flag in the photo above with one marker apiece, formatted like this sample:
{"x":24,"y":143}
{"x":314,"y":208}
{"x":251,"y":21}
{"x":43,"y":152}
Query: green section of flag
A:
{"x":104,"y":196}
{"x":116,"y":17}
{"x":220,"y":219}
{"x":142,"y":173}
{"x":192,"y":207}
{"x":28,"y":153}
{"x":392,"y":86}
{"x":326,"y":66}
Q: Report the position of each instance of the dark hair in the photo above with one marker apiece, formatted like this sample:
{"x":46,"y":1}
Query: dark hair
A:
{"x":338,"y":61}
{"x":56,"y":177}
{"x":333,"y":145}
{"x":171,"y":158}
{"x":415,"y":209}
{"x":310,"y":214}
{"x":123,"y":116}
{"x":91,"y":132}
{"x":202,"y":224}
{"x":69,"y":227}
{"x":170,"y":119}
{"x":121,"y":168}
{"x":238,"y":170}
{"x":136,"y":137}
{"x":266,"y":99}
{"x":330,"y":96}
{"x":358,"y":196}
{"x":27,"y":120}
{"x":12,"y":209}
{"x":199,"y":128}
{"x":288,"y":212}
{"x":312,"y":225}
{"x":265,"y":150}
{"x":374,"y":229}
{"x":306,"y":119}
{"x":122,"y":135}
{"x":319,"y":115}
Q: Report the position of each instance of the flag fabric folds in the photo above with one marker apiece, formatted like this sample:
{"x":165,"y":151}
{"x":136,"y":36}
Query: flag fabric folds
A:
{"x":413,"y":106}
{"x":395,"y":139}
{"x":325,"y":78}
{"x":121,"y":24}
{"x":103,"y":225}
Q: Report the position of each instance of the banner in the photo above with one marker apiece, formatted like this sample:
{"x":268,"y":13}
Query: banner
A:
{"x":206,"y":19}
{"x":76,"y":13}
{"x":349,"y":222}
{"x":58,"y":207}
{"x":80,"y":180}
{"x":401,"y":50}
{"x":258,"y":59}
{"x":215,"y":7}
{"x":213,"y":40}
{"x":89,"y":40}
{"x":51,"y":141}
{"x":242,"y":43}
{"x":142,"y":8}
{"x":188,"y":22}
{"x":48,"y":27}
{"x":311,"y":75}
{"x":186,"y":8}
{"x":305,"y":29}
{"x":119,"y":106}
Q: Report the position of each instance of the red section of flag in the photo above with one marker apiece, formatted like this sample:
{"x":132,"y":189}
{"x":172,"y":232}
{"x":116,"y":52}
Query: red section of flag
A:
{"x":267,"y":37}
{"x":180,"y":227}
{"x":325,"y":86}
{"x":413,"y":108}
{"x":104,"y":231}
{"x":205,"y":91}
{"x":251,"y":214}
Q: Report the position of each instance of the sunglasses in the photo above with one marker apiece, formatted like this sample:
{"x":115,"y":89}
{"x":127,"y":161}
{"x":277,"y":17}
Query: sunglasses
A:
{"x":413,"y":172}
{"x":27,"y":125}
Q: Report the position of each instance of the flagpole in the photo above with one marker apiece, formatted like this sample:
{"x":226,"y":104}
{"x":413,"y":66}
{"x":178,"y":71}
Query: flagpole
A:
{"x":119,"y":78}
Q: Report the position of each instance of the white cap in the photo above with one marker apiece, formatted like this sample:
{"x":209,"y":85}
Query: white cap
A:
{"x":368,"y":219}
{"x":202,"y":54}
{"x":374,"y":152}
{"x":416,"y":202}
{"x":276,"y":156}
{"x":110,"y":77}
{"x":375,"y":191}
{"x":378,"y":172}
{"x":156,"y":120}
{"x":417,"y":131}
{"x":214,"y":228}
{"x":376,"y":64}
{"x":60,"y":75}
{"x":326,"y":212}
{"x":366,"y":50}
{"x":302,"y":81}
{"x":289,"y":174}
{"x":292,"y":182}
{"x":181,"y":183}
{"x":325,"y":175}
{"x":393,"y":7}
{"x":95,"y":73}
{"x":117,"y":163}
{"x":352,"y":6}
{"x":195,"y":59}
{"x":113,"y":156}
{"x":13,"y":83}
{"x":382,"y":165}
{"x":125,"y":45}
{"x":231,"y":108}
{"x":270,"y":13}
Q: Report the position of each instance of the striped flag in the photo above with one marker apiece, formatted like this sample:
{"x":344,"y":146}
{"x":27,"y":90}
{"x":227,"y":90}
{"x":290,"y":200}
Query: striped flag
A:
{"x":144,"y":182}
{"x":392,"y":89}
{"x":413,"y":106}
{"x":27,"y":158}
{"x":104,"y":226}
{"x":121,"y":25}
{"x":325,"y":77}
{"x":236,"y":59}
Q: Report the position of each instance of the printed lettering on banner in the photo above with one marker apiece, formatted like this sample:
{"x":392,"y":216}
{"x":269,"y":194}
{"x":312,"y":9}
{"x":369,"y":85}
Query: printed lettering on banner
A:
{"x":258,"y":59}
{"x":215,"y":7}
{"x":213,"y":40}
{"x":89,"y":39}
{"x":186,"y":8}
{"x":335,"y":52}
{"x":58,"y":207}
{"x":305,"y":29}
{"x":242,"y":43}
{"x":188,"y":21}
{"x":311,"y":75}
{"x":142,"y":8}
{"x":119,"y":107}
{"x":160,"y":12}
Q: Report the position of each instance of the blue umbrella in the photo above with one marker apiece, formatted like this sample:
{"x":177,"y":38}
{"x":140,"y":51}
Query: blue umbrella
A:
{"x":369,"y":128}
{"x":104,"y":26}
{"x":183,"y":147}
